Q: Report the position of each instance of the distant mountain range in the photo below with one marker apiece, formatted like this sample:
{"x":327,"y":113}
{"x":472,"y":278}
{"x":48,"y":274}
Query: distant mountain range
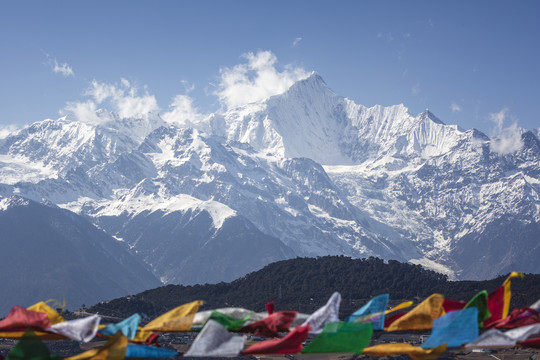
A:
{"x":303,"y":173}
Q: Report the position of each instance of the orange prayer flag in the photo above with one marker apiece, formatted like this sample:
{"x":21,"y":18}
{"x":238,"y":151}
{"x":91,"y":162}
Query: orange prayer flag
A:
{"x":422,"y":316}
{"x":416,"y":353}
{"x":178,"y":319}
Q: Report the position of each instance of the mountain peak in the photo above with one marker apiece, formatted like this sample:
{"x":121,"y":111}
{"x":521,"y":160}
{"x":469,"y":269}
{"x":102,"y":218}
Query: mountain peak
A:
{"x":313,"y":84}
{"x":426,"y":114}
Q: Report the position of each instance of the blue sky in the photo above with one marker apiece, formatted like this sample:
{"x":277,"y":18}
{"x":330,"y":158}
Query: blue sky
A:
{"x":472,"y":63}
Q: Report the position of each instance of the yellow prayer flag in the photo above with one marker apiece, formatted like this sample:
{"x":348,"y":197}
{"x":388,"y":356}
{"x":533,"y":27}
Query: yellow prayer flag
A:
{"x":40,"y":334}
{"x":178,"y":319}
{"x":400,"y":306}
{"x":422,"y":316}
{"x":114,"y":349}
{"x":53,"y":316}
{"x":508,"y":292}
{"x":416,"y":353}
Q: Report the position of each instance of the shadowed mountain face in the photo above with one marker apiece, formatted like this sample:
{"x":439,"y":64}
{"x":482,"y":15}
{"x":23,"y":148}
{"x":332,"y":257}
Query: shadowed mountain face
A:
{"x":51,"y":253}
{"x":304,"y":173}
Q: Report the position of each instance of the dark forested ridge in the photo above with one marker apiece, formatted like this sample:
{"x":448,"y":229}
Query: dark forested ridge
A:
{"x":304,"y":284}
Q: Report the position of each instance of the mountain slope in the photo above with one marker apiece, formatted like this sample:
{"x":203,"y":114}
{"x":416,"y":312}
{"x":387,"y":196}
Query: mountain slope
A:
{"x":49,"y":252}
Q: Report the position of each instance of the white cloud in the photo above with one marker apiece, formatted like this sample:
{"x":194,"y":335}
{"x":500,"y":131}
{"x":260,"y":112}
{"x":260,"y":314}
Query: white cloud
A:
{"x":63,"y":69}
{"x":256,"y":80}
{"x":188,"y":86}
{"x":183,"y":112}
{"x":83,"y":111}
{"x":504,"y":140}
{"x":296,"y":41}
{"x":124,"y":99}
{"x":455,"y":107}
{"x":6,"y":130}
{"x":57,"y":68}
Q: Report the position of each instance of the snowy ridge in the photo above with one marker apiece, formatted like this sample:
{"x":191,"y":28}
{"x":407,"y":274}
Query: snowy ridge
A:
{"x":133,"y":205}
{"x":303,"y":173}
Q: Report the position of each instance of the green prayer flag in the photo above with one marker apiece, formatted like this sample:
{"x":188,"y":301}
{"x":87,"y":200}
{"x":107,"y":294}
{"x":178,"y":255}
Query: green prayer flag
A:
{"x":227,"y":321}
{"x":341,"y":337}
{"x":480,"y":302}
{"x":30,"y":347}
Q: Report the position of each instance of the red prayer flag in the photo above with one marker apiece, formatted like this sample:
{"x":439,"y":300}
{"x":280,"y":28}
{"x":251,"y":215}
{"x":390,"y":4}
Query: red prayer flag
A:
{"x":272,"y":324}
{"x":270,"y":307}
{"x":495,"y":305}
{"x":290,"y":344}
{"x":518,"y":318}
{"x":452,"y":305}
{"x":389,"y":320}
{"x":533,"y":343}
{"x":19,"y":319}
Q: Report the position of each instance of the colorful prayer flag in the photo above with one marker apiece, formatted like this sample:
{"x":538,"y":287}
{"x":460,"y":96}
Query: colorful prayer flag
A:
{"x":289,"y":344}
{"x":341,"y":337}
{"x":178,"y":319}
{"x":373,"y":312}
{"x":454,"y":329}
{"x":422,"y":316}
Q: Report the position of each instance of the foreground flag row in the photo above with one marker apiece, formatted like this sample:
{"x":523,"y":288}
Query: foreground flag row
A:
{"x":453,"y":324}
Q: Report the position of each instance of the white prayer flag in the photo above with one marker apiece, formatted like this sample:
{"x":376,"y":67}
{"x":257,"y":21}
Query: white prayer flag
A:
{"x":326,"y":314}
{"x":82,"y":330}
{"x":215,"y":340}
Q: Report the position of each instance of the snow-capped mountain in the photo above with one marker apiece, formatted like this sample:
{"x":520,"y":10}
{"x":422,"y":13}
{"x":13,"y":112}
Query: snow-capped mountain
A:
{"x":303,"y":173}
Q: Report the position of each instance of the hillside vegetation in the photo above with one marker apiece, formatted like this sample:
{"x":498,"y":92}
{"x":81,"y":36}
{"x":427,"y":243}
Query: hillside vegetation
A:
{"x":304,"y":284}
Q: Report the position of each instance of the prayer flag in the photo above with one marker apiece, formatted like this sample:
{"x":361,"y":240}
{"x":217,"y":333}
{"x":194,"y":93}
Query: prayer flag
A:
{"x":422,"y":316}
{"x":270,"y":307}
{"x":518,"y":318}
{"x":324,"y":315}
{"x":480,"y":302}
{"x":82,"y":330}
{"x":272,"y":324}
{"x":148,"y":352}
{"x":373,"y":312}
{"x":454,"y":329}
{"x":452,"y":305}
{"x":235,"y":312}
{"x":499,"y":301}
{"x":497,"y":338}
{"x":341,"y":337}
{"x":19,"y":319}
{"x":30,"y":347}
{"x":178,"y":319}
{"x":227,"y":321}
{"x":215,"y":341}
{"x":54,"y":317}
{"x":290,"y":344}
{"x":114,"y":349}
{"x":128,"y":327}
{"x":416,"y":353}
